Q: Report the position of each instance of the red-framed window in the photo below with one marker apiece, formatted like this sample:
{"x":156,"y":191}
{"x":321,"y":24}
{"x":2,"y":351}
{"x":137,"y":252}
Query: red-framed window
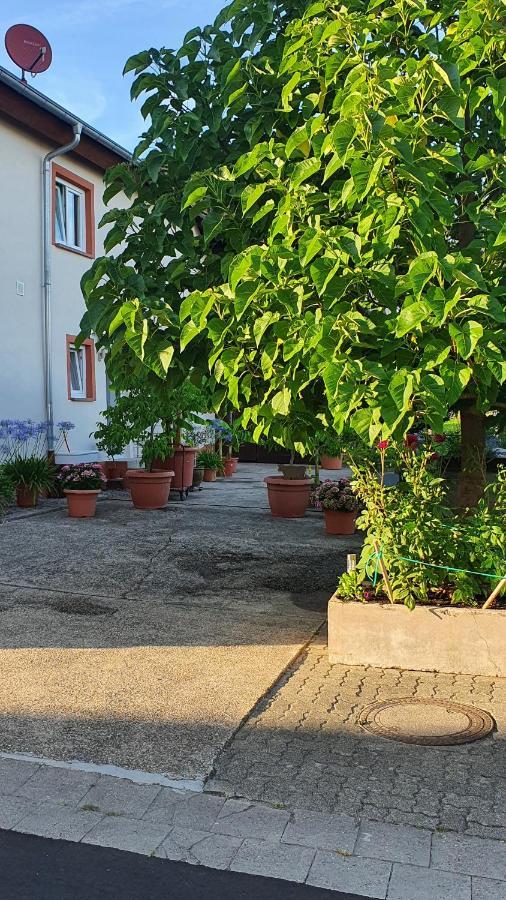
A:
{"x":73,"y":212}
{"x":81,"y":383}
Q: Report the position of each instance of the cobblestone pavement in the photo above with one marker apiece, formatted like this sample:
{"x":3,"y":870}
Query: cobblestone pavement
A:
{"x":302,"y":747}
{"x":371,"y":859}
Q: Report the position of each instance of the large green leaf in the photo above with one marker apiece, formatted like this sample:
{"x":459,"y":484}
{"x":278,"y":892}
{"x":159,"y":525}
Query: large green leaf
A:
{"x":304,"y":170}
{"x":281,"y":402}
{"x":466,"y":337}
{"x":410,"y":317}
{"x":421,"y":270}
{"x":456,"y":377}
{"x":250,"y":195}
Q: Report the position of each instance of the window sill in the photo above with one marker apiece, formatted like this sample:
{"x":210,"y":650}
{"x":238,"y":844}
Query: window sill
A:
{"x":82,"y":399}
{"x":74,"y":250}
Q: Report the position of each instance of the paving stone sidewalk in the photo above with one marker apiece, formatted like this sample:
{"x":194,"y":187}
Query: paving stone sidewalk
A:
{"x":302,"y":747}
{"x":339,"y":852}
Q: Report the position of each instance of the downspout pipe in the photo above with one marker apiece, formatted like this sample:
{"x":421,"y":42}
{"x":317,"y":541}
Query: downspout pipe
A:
{"x":46,"y":280}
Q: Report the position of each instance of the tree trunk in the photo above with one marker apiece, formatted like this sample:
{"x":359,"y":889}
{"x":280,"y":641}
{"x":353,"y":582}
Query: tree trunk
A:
{"x":472,"y":477}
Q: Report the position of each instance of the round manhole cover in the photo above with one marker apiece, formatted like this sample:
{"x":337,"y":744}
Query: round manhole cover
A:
{"x":434,"y":722}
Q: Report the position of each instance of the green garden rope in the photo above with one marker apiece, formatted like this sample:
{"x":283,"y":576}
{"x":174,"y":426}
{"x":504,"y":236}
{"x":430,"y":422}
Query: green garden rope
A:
{"x":421,"y":562}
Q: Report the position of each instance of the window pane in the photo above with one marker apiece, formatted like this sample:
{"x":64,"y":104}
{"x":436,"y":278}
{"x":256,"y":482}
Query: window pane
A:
{"x":77,"y":374}
{"x":76,"y":220}
{"x":61,"y":214}
{"x":69,"y":216}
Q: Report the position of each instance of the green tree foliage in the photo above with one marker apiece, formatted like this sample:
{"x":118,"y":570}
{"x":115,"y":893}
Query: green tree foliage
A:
{"x":205,"y":105}
{"x":325,"y":186}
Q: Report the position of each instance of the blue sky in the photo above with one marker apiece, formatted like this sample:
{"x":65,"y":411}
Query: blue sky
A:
{"x":91,"y":40}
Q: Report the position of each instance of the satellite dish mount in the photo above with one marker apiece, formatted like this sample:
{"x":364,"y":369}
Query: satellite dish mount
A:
{"x":29,"y":49}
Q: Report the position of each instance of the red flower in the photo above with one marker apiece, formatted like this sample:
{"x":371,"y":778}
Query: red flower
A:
{"x":434,"y":456}
{"x":439,"y":438}
{"x":382,"y":445}
{"x":411,"y":441}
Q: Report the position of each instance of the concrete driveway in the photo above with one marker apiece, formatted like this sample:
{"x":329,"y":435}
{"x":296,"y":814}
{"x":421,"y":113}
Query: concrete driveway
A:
{"x":144,"y":639}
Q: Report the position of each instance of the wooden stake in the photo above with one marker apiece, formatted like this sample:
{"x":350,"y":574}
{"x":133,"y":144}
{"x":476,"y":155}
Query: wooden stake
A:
{"x":495,"y":593}
{"x":388,"y":586}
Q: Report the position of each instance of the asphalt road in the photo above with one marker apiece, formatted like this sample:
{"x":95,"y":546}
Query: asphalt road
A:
{"x":35,"y":868}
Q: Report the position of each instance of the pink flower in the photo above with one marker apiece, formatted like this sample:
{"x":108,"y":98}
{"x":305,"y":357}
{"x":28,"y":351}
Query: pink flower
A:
{"x":382,"y":445}
{"x":439,"y":438}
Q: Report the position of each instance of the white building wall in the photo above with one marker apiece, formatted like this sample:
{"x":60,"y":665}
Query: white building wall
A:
{"x":21,"y":321}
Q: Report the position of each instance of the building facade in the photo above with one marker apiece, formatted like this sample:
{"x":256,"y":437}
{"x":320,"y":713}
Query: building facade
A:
{"x":43,"y":376}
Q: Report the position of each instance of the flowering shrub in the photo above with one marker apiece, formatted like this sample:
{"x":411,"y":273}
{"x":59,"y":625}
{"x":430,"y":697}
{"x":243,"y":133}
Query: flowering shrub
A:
{"x":337,"y":495}
{"x":23,"y":453}
{"x":314,"y":499}
{"x":82,"y":477}
{"x":26,"y":439}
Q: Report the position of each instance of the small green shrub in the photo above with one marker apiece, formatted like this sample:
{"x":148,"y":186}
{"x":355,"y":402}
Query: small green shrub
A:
{"x":34,"y":473}
{"x":208,"y":459}
{"x":424,"y":544}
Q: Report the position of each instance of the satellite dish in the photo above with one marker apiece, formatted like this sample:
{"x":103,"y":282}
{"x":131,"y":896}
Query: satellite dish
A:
{"x":29,"y":49}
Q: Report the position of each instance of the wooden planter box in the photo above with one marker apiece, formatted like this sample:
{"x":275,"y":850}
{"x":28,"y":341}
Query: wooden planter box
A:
{"x":428,"y":638}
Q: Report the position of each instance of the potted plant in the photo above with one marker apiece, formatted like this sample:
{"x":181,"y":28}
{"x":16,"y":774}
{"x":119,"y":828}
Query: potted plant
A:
{"x":288,"y":494}
{"x":111,"y":438}
{"x":25,"y":461}
{"x":31,"y":477}
{"x":232,"y":436}
{"x":212,"y":464}
{"x":135,"y":417}
{"x":81,"y":484}
{"x":339,"y":504}
{"x":150,"y":486}
{"x":179,"y":411}
{"x":331,"y":451}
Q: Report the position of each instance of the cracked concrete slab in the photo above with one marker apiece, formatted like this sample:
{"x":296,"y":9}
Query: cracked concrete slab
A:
{"x":143,"y":639}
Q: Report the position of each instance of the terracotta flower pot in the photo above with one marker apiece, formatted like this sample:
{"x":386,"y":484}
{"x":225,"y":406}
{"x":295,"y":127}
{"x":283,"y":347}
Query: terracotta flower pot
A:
{"x":25,"y":497}
{"x":234,"y":460}
{"x":181,"y":463}
{"x":114,"y":470}
{"x":331,"y":462}
{"x":339,"y":521}
{"x":81,"y":504}
{"x":288,"y":497}
{"x":228,"y":466}
{"x":209,"y":474}
{"x":149,"y":490}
